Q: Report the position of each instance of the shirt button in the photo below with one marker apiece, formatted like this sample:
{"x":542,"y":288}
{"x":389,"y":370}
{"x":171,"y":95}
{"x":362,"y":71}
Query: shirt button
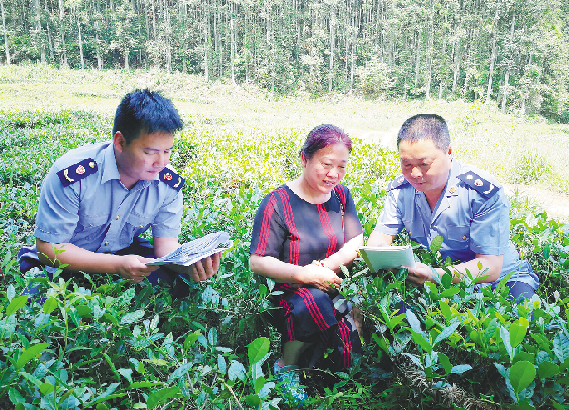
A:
{"x":464,"y":237}
{"x":106,"y":244}
{"x":90,"y":224}
{"x":434,"y":226}
{"x":118,"y":217}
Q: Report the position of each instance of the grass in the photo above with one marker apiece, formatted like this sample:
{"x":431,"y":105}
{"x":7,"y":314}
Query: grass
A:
{"x":481,"y":135}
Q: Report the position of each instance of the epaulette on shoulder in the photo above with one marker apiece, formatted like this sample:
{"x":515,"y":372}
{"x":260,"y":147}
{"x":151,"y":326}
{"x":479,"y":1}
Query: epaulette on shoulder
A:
{"x":479,"y":184}
{"x":77,"y":172}
{"x":172,"y":179}
{"x":397,"y":182}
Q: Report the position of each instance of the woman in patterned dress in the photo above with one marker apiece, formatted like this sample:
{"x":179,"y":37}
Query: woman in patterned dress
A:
{"x":303,"y":231}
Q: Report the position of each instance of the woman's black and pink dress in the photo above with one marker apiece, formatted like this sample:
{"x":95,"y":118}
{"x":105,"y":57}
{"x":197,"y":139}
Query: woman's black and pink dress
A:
{"x":292,"y":230}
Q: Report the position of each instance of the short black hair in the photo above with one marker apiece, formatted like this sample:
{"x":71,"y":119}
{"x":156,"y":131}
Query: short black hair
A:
{"x":425,"y":126}
{"x":147,"y":111}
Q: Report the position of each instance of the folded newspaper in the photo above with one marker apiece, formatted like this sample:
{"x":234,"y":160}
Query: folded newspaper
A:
{"x":193,"y":251}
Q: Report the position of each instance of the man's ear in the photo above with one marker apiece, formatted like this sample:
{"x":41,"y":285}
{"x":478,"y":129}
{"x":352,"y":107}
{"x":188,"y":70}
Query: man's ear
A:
{"x":119,"y":141}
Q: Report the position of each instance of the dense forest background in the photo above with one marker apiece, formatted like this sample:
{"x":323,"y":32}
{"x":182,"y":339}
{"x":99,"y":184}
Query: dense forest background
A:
{"x":513,"y":53}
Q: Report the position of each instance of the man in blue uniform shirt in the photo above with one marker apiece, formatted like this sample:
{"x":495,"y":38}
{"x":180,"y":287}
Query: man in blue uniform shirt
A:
{"x":97,"y":199}
{"x":437,"y":195}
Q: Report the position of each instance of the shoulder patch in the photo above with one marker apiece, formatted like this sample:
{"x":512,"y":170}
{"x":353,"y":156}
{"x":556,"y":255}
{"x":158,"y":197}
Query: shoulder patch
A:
{"x":478,"y":183}
{"x":172,"y":179}
{"x":77,"y":172}
{"x":397,"y":182}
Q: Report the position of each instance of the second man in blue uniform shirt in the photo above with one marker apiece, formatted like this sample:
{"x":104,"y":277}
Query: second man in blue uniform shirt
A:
{"x":437,"y":195}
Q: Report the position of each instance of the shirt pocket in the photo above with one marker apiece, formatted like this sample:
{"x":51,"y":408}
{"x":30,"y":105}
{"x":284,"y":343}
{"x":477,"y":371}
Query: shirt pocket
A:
{"x":90,"y":227}
{"x":134,"y":226}
{"x":456,"y":237}
{"x":416,"y":230}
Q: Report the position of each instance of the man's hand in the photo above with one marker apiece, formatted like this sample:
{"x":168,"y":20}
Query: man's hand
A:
{"x":420,"y":274}
{"x":134,"y":268}
{"x":323,"y":278}
{"x":205,"y":268}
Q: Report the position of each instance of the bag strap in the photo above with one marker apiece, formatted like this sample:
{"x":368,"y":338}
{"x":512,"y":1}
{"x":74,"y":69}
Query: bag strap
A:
{"x":342,"y":206}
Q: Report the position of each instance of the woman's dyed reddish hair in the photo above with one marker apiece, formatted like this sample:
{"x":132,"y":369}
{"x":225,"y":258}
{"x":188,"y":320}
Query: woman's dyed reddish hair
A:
{"x":323,"y":135}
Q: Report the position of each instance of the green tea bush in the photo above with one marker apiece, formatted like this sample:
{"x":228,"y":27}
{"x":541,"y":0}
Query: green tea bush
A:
{"x":97,"y":343}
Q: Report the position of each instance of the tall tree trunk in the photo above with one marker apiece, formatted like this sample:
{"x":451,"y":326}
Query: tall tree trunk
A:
{"x":39,"y":36}
{"x":49,"y":39}
{"x":458,"y":58}
{"x":206,"y":39}
{"x":98,"y":47}
{"x":80,"y":45}
{"x":63,"y":56}
{"x":146,"y":21}
{"x":417,"y":57}
{"x":167,"y":39}
{"x":217,"y":40}
{"x":507,"y":75}
{"x":429,"y":75}
{"x":492,"y":58}
{"x":523,"y":95}
{"x":6,"y":48}
{"x":233,"y":44}
{"x":332,"y":41}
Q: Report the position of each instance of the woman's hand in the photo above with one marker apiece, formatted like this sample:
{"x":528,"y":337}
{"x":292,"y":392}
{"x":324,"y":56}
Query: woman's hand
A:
{"x":420,"y":274}
{"x":323,"y":278}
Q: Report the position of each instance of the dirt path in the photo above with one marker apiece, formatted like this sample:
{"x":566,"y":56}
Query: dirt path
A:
{"x":556,"y":204}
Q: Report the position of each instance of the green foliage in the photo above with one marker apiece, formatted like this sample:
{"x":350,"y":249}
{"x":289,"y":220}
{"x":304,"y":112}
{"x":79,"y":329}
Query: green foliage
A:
{"x":530,"y":168}
{"x":98,"y":343}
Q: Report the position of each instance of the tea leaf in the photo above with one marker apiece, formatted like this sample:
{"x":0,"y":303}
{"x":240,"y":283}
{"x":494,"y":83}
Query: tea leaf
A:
{"x":436,"y":243}
{"x":561,"y":347}
{"x":132,"y":317}
{"x":16,"y":304}
{"x":447,"y":331}
{"x":445,"y":363}
{"x":547,"y":370}
{"x":236,"y":371}
{"x":180,"y":371}
{"x":506,"y":340}
{"x":15,"y":396}
{"x":517,"y":333}
{"x":162,"y":395}
{"x":49,"y":305}
{"x":413,"y":321}
{"x":221,"y":364}
{"x":421,"y":341}
{"x":522,"y":374}
{"x":461,"y":368}
{"x":257,"y":349}
{"x":30,"y":353}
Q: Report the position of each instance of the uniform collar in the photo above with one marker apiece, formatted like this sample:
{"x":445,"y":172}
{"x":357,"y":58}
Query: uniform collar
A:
{"x":111,"y":171}
{"x":451,"y":188}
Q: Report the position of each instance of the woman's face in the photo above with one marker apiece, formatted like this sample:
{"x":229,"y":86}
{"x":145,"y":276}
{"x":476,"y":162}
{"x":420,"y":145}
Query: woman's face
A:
{"x":326,"y":168}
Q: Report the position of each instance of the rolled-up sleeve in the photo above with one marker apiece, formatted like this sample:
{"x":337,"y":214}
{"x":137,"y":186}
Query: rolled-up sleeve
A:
{"x":58,"y":210}
{"x":490,"y":226}
{"x":168,"y":220}
{"x":390,"y":220}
